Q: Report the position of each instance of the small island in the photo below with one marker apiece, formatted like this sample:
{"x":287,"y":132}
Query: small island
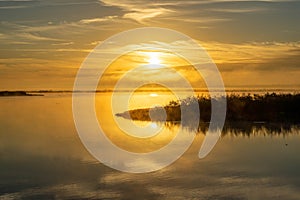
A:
{"x":246,"y":114}
{"x":268,"y":108}
{"x":16,"y":93}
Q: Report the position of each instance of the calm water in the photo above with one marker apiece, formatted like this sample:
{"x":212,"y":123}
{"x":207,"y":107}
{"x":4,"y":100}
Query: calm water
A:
{"x":42,"y":157}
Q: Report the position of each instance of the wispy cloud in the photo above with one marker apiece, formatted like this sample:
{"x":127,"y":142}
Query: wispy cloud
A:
{"x":36,"y":37}
{"x":141,"y":15}
{"x":20,"y":43}
{"x":138,"y":10}
{"x":12,"y":7}
{"x":95,"y":20}
{"x":254,"y":52}
{"x":63,"y":44}
{"x":238,"y":10}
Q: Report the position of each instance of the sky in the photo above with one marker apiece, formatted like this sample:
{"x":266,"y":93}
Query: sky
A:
{"x":253,"y":43}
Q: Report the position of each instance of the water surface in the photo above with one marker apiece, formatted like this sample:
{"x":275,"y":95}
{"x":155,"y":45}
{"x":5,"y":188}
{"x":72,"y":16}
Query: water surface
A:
{"x":42,"y":157}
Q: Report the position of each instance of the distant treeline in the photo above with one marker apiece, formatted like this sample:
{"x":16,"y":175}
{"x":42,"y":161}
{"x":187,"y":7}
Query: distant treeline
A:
{"x":16,"y":93}
{"x":268,"y":108}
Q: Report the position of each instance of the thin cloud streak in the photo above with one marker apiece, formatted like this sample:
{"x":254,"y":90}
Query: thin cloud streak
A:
{"x":95,"y":20}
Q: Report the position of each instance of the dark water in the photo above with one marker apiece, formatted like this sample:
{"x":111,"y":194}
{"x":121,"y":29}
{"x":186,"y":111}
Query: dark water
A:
{"x":42,"y":157}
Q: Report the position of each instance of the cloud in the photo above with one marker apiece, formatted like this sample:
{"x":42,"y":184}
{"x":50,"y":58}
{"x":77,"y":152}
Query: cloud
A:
{"x":12,"y":7}
{"x":238,"y":10}
{"x":23,"y":4}
{"x":141,"y":15}
{"x":138,"y":10}
{"x":63,"y":44}
{"x":2,"y":36}
{"x":15,"y":4}
{"x":36,"y":37}
{"x":252,"y":52}
{"x":95,"y":20}
{"x":16,"y":33}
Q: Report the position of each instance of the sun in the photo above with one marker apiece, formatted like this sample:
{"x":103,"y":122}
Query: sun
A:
{"x":153,"y":58}
{"x":153,"y":95}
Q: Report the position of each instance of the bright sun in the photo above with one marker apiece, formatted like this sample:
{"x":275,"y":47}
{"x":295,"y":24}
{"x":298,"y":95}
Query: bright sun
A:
{"x":154,"y":58}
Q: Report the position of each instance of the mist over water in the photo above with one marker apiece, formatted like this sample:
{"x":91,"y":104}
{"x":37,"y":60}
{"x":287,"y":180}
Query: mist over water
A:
{"x":42,"y":157}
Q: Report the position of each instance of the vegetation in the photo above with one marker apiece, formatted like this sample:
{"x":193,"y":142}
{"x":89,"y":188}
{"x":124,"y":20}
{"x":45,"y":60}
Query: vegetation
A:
{"x":14,"y":93}
{"x":269,"y":108}
{"x":269,"y":114}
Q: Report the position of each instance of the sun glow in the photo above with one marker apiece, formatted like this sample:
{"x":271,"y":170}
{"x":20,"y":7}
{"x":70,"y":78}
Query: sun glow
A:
{"x":154,"y":58}
{"x":153,"y":95}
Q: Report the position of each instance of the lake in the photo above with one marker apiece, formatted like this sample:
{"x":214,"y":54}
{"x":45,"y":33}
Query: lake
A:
{"x":42,"y":156}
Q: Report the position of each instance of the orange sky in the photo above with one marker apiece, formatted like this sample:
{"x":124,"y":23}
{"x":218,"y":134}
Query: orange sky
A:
{"x":253,"y":43}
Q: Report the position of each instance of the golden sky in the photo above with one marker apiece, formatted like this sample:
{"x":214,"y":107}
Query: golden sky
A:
{"x":253,"y":43}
